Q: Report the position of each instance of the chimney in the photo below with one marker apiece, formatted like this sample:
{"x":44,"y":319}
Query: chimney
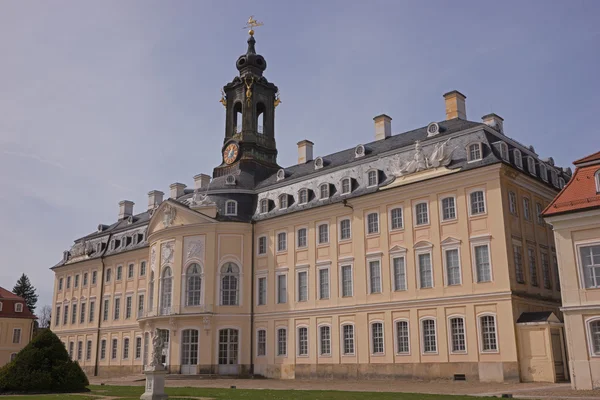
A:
{"x":176,"y":190}
{"x":201,"y":181}
{"x":305,"y":151}
{"x":494,"y":121}
{"x":455,"y":105}
{"x":125,"y":209}
{"x":383,"y":126}
{"x":155,"y":197}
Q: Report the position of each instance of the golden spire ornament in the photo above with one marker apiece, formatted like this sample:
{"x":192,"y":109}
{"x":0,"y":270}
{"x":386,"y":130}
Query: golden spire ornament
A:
{"x":251,"y":24}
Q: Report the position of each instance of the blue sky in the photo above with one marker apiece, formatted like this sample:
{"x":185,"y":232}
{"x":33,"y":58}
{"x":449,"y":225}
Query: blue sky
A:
{"x":105,"y":101}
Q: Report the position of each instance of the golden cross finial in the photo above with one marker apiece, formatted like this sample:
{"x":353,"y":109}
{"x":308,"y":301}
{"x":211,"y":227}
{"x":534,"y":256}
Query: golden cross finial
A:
{"x":251,"y":24}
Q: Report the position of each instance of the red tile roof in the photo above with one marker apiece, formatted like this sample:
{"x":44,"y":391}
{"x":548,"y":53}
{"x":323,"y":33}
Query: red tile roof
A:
{"x":5,"y":294}
{"x":9,"y":300}
{"x":580,"y":193}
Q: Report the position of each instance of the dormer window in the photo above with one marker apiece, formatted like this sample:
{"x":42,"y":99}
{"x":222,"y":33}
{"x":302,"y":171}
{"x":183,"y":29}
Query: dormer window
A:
{"x":303,"y":196}
{"x":280,"y":174}
{"x":231,"y":207}
{"x":474,"y":152}
{"x":18,"y":307}
{"x":264,"y":206}
{"x":283,"y":201}
{"x":318,"y":162}
{"x":324,"y":191}
{"x":531,"y":165}
{"x":433,"y":129}
{"x":518,"y":158}
{"x":503,"y":147}
{"x":346,"y":186}
{"x":597,"y":176}
{"x":230,"y":180}
{"x":359,"y":151}
{"x":561,"y":183}
{"x":554,"y":176}
{"x":543,"y":172}
{"x":372,"y":178}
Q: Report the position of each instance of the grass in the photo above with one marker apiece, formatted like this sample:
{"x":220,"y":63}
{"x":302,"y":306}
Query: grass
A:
{"x":51,"y":396}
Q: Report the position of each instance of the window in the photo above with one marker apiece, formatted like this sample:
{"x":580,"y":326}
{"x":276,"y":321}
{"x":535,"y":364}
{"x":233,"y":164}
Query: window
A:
{"x":323,"y":283}
{"x":282,"y":241}
{"x":323,"y":234}
{"x":66,"y":315}
{"x":590,"y":265}
{"x":302,"y":285}
{"x":125,"y":348}
{"x":92,"y":310}
{"x":143,"y":268}
{"x":532,"y":267}
{"x":74,"y":314}
{"x":448,"y":208}
{"x":474,"y":153}
{"x":482,"y":263}
{"x":108,"y":275}
{"x":71,"y":344}
{"x":301,"y":238}
{"x":194,"y":285}
{"x":396,"y":218}
{"x":538,"y":210}
{"x":345,"y":230}
{"x":231,"y":207}
{"x":85,"y":279}
{"x":554,"y":176}
{"x":372,"y":178}
{"x":421,"y":214}
{"x":347,"y":287}
{"x":597,"y":176}
{"x":324,"y":191}
{"x":377,"y":338}
{"x":346,"y":186}
{"x":264,"y":206}
{"x":60,"y":284}
{"x":262,"y":291}
{"x":556,"y":274}
{"x":18,"y":307}
{"x":119,"y":272}
{"x":262,"y":245}
{"x":138,"y":348}
{"x":594,"y":336}
{"x":230,"y":274}
{"x":526,"y":210}
{"x":372,"y":223}
{"x":281,"y":289}
{"x":303,"y":196}
{"x":531,"y":165}
{"x":452,"y":267}
{"x":76,"y":280}
{"x":88,"y":350}
{"x":261,"y":339}
{"x":82,"y":314}
{"x":402,"y":337}
{"x":283,"y":201}
{"x":140,"y":311}
{"x":429,"y":336}
{"x":504,"y":151}
{"x":113,"y":350}
{"x":399,"y":265}
{"x":13,"y":356}
{"x":281,"y":342}
{"x":16,"y":335}
{"x":117,"y":308}
{"x":512,"y":203}
{"x":348,"y":337}
{"x":546,"y":278}
{"x":457,"y":335}
{"x":94,"y":277}
{"x":489,"y":341}
{"x":518,"y":259}
{"x":130,"y":268}
{"x":166,"y":291}
{"x":325,"y":340}
{"x":518,"y":158}
{"x":56,"y":318}
{"x":425,"y":271}
{"x":303,"y":341}
{"x":543,"y":172}
{"x":68,"y":282}
{"x":103,"y":349}
{"x":374,"y":276}
{"x":105,"y":311}
{"x":128,"y":303}
{"x":477,"y":202}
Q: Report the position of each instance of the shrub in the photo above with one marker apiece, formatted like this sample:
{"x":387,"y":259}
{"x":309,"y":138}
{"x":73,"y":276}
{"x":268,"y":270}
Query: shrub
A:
{"x":43,"y":366}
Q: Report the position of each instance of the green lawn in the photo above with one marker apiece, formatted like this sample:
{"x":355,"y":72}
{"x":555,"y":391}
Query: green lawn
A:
{"x":51,"y":396}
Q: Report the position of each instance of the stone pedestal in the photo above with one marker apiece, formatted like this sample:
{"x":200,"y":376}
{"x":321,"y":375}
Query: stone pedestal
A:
{"x":155,"y":383}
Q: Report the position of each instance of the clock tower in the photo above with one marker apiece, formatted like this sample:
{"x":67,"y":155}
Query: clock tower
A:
{"x":250,"y":101}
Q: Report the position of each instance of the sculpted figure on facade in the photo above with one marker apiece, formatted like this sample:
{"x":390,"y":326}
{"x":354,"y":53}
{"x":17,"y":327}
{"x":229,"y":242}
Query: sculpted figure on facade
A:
{"x":194,"y":249}
{"x":167,"y":252}
{"x":158,"y":345}
{"x":440,"y":157}
{"x":169,"y":214}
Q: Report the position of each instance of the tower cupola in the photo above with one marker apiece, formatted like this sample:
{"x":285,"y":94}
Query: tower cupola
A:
{"x":251,"y":63}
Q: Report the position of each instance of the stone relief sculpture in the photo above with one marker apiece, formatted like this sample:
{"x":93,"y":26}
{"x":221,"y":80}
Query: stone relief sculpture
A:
{"x":440,"y":157}
{"x":169,"y":214}
{"x":200,"y":199}
{"x":153,"y":257}
{"x":167,"y":252}
{"x":194,"y":248}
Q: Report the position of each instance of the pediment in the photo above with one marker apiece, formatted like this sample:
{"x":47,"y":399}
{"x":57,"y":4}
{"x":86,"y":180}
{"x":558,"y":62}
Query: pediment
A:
{"x":398,"y":249}
{"x":423,"y":244}
{"x":171,"y":214}
{"x":450,"y":241}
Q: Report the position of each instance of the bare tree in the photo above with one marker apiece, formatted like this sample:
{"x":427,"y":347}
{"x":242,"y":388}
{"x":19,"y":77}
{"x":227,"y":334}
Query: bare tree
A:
{"x":45,"y":316}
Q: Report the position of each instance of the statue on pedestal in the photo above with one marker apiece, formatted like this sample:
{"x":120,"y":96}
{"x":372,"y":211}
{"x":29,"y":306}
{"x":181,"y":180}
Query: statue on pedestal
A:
{"x":158,"y":344}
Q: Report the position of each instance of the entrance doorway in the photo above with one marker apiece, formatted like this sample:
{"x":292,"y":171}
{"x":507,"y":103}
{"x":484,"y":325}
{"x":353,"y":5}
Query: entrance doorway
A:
{"x":164,"y":334}
{"x":228,"y":352}
{"x":189,"y":352}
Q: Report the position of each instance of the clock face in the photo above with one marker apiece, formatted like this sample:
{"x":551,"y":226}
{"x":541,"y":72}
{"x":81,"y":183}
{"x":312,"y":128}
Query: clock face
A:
{"x":230,"y":153}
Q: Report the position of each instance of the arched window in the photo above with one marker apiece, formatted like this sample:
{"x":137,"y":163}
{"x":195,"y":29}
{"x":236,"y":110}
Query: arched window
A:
{"x":193,"y":285}
{"x":372,"y":178}
{"x":283,"y":201}
{"x":346,"y":186}
{"x":474,"y":152}
{"x":264,"y":206}
{"x":230,"y":276}
{"x":518,"y":158}
{"x":260,"y":118}
{"x":151,"y":292}
{"x":231,"y":207}
{"x":594,"y":336}
{"x":324,"y":191}
{"x":237,"y":117}
{"x":303,"y":196}
{"x":166,"y":291}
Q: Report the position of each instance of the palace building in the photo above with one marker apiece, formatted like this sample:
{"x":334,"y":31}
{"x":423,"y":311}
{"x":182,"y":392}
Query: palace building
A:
{"x":16,"y":325}
{"x":420,"y":254}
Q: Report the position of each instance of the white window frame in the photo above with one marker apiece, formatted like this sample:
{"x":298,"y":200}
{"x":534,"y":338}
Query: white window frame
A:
{"x":481,"y":241}
{"x":298,"y":237}
{"x":538,"y":210}
{"x":20,"y":337}
{"x":543,"y":172}
{"x":480,"y":157}
{"x":580,"y":270}
{"x":341,"y":279}
{"x":398,"y":253}
{"x":318,"y":233}
{"x":343,"y":340}
{"x":321,"y":187}
{"x":298,"y":327}
{"x":319,"y":294}
{"x":470,"y":203}
{"x":320,"y":340}
{"x":504,"y":154}
{"x":371,"y":259}
{"x":303,"y":190}
{"x":287,"y":339}
{"x":526,"y":208}
{"x":531,"y":165}
{"x":513,"y":203}
{"x":283,"y":201}
{"x":257,"y":342}
{"x":371,"y":323}
{"x":278,"y":274}
{"x":341,"y":239}
{"x":390,"y":219}
{"x":518,"y":157}
{"x":281,"y":250}
{"x":415,"y":221}
{"x":376,"y":178}
{"x":262,"y":275}
{"x":263,"y":205}
{"x":18,"y":307}
{"x":424,"y":248}
{"x":422,"y":336}
{"x":449,"y":330}
{"x":367,"y":228}
{"x":597,"y":179}
{"x":396,"y":347}
{"x":480,"y":333}
{"x":349,"y":186}
{"x":299,"y":270}
{"x":258,"y":253}
{"x":235,"y":207}
{"x":453,"y":197}
{"x":588,"y":331}
{"x":447,"y":245}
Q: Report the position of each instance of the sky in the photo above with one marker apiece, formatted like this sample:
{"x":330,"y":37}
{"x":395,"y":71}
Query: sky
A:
{"x":105,"y":101}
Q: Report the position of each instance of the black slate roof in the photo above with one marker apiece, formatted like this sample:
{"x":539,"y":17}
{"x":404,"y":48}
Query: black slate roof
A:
{"x":534,"y":316}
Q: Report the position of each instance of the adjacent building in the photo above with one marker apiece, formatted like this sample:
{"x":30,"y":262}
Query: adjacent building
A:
{"x":419,"y":254}
{"x":16,"y":325}
{"x":575,"y":217}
